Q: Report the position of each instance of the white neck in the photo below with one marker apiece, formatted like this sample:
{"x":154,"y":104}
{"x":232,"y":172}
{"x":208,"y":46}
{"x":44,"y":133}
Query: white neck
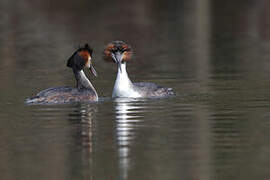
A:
{"x":83,"y":82}
{"x":123,"y":87}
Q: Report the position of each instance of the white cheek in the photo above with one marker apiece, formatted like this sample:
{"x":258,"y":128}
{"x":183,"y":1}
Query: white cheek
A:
{"x":88,"y":63}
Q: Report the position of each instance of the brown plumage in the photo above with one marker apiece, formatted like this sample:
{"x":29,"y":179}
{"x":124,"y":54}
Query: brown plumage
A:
{"x":117,"y":46}
{"x":60,"y":95}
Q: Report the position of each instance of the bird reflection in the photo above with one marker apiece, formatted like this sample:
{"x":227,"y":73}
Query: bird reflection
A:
{"x":83,"y":115}
{"x":128,"y":119}
{"x":82,"y":118}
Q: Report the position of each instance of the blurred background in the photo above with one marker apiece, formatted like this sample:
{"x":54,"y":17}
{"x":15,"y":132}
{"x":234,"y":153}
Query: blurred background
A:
{"x":214,"y":54}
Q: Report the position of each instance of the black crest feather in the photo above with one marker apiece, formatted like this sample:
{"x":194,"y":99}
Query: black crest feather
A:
{"x":71,"y":61}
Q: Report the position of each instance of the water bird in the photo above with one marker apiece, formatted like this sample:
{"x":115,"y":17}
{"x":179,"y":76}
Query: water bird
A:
{"x":120,"y":53}
{"x":84,"y":90}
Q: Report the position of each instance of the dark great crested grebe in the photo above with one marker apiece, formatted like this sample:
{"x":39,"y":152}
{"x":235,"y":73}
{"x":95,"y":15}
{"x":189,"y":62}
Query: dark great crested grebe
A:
{"x":120,"y":53}
{"x":84,"y":90}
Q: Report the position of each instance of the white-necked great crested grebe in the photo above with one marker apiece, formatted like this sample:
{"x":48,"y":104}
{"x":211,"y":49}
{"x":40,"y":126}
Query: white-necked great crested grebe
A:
{"x":84,"y":90}
{"x":120,"y":53}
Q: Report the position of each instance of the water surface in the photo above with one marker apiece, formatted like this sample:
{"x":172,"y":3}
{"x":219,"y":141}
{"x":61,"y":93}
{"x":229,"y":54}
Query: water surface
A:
{"x":215,"y":55}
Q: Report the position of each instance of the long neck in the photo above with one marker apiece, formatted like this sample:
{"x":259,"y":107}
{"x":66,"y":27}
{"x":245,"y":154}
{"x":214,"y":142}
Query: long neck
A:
{"x":122,"y":77}
{"x":123,"y":87}
{"x":82,"y":81}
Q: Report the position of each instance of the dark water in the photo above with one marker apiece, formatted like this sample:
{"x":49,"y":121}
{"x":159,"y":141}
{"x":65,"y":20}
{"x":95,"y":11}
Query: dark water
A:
{"x":214,"y":54}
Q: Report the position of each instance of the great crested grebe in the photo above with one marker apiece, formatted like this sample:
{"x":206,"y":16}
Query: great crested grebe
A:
{"x":120,"y":53}
{"x":84,"y":91}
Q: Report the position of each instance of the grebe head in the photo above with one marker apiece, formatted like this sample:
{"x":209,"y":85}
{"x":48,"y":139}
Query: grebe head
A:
{"x":81,"y":58}
{"x":118,"y":52}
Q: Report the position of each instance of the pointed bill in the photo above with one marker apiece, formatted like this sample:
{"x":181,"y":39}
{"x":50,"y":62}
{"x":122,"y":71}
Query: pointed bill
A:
{"x":117,"y":58}
{"x":92,"y":69}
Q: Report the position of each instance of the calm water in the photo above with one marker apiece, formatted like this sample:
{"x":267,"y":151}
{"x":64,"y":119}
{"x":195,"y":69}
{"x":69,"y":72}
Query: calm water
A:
{"x":215,"y":55}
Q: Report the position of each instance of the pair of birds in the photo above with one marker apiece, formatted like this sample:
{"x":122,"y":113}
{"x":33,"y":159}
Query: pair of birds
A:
{"x":118,"y":52}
